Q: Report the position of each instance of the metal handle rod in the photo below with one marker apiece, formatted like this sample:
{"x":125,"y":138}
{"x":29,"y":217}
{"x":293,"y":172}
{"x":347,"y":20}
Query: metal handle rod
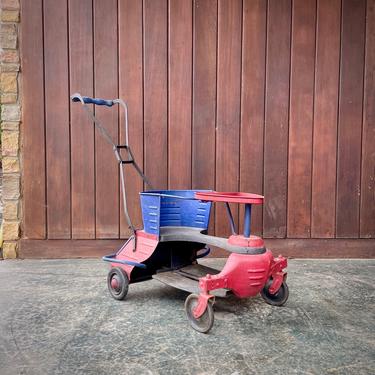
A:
{"x":230,"y":217}
{"x":135,"y":165}
{"x":108,"y":138}
{"x":125,"y":106}
{"x":98,"y":124}
{"x":123,"y":190}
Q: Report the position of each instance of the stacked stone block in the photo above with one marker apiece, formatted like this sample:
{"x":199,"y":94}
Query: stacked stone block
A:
{"x":10,"y":123}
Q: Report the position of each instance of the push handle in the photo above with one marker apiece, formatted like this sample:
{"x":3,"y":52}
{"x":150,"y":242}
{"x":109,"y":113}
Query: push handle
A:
{"x":109,"y":103}
{"x":88,"y":100}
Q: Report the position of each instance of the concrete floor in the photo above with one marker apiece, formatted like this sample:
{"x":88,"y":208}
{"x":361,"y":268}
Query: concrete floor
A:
{"x":56,"y":317}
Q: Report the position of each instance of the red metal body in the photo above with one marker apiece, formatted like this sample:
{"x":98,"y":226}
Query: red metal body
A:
{"x":145,"y":247}
{"x":235,"y":197}
{"x":250,"y":268}
{"x":245,"y":275}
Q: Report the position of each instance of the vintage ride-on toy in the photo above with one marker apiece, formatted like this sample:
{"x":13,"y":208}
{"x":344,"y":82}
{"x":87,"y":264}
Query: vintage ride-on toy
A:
{"x":175,"y":236}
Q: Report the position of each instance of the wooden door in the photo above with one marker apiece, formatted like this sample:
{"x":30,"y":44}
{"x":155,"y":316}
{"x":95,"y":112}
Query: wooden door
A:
{"x":273,"y":97}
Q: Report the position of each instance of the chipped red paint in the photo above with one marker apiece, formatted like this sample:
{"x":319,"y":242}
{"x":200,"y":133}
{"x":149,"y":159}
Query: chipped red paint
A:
{"x":252,"y":241}
{"x":230,"y":197}
{"x":145,"y":246}
{"x":245,"y":275}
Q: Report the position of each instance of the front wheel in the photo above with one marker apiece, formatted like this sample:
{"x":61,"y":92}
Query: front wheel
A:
{"x":277,"y":299}
{"x":118,"y":283}
{"x":204,"y":323}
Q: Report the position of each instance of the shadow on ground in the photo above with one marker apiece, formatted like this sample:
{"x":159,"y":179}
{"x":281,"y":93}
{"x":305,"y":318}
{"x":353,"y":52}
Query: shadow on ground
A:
{"x":56,"y":317}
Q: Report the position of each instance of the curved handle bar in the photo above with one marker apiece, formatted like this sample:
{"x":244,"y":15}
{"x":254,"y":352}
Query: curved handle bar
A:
{"x":88,"y":100}
{"x":109,"y":103}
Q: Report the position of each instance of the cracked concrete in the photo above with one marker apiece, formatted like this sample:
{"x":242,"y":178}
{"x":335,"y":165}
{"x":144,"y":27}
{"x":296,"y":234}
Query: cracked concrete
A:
{"x":56,"y":317}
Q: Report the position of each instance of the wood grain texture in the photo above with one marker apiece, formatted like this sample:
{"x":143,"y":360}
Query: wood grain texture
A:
{"x":350,"y":118}
{"x":131,"y":91}
{"x":276,"y":118}
{"x":311,"y":248}
{"x":252,"y":104}
{"x":292,"y":248}
{"x":322,"y":248}
{"x":228,"y":106}
{"x":155,"y":14}
{"x":204,"y":94}
{"x":82,"y":129}
{"x":57,"y":118}
{"x":67,"y":249}
{"x":179,"y":93}
{"x":264,"y":96}
{"x":106,"y":86}
{"x":323,"y":199}
{"x":301,"y":118}
{"x":34,"y":174}
{"x":367,"y":216}
{"x":204,"y":97}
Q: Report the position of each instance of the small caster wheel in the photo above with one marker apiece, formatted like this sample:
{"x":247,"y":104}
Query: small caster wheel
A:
{"x":118,"y":283}
{"x":277,"y":299}
{"x":206,"y":321}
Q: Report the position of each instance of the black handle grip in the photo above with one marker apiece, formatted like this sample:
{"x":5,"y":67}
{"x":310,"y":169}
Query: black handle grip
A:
{"x":88,"y":100}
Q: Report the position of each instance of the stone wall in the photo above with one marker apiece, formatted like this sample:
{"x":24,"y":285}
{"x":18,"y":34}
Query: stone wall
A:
{"x":10,"y":123}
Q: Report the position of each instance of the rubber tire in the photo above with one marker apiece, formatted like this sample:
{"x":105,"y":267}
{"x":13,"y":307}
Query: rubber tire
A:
{"x":121,"y":292}
{"x":277,"y":299}
{"x":206,"y":321}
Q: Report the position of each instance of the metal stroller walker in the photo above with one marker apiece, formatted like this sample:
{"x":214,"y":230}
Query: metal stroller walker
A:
{"x":175,"y":236}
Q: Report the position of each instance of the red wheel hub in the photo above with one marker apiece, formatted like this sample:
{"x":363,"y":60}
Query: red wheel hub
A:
{"x":115,"y":283}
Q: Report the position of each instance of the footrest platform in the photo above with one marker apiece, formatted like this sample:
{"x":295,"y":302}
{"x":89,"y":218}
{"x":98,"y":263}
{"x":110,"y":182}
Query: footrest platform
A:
{"x":187,"y":278}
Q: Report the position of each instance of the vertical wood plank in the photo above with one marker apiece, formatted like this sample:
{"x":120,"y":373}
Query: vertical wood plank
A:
{"x":34,"y":187}
{"x":204,"y":97}
{"x":350,"y":118}
{"x":228,"y":106}
{"x":179,"y":93}
{"x":76,"y":195}
{"x":82,"y":130}
{"x":155,"y":92}
{"x":106,"y":86}
{"x":57,"y":118}
{"x":323,"y":206}
{"x":131,"y":91}
{"x":276,"y":118}
{"x":252,"y":103}
{"x":301,"y":118}
{"x":367,"y":217}
{"x":204,"y":94}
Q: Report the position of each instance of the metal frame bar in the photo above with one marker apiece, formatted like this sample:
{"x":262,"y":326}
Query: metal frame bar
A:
{"x":111,"y":258}
{"x":231,"y":220}
{"x":116,"y":148}
{"x":247,"y":221}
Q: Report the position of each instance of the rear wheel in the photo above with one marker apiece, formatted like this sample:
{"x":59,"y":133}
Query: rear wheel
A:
{"x":277,"y":299}
{"x":204,"y":323}
{"x":118,"y":283}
